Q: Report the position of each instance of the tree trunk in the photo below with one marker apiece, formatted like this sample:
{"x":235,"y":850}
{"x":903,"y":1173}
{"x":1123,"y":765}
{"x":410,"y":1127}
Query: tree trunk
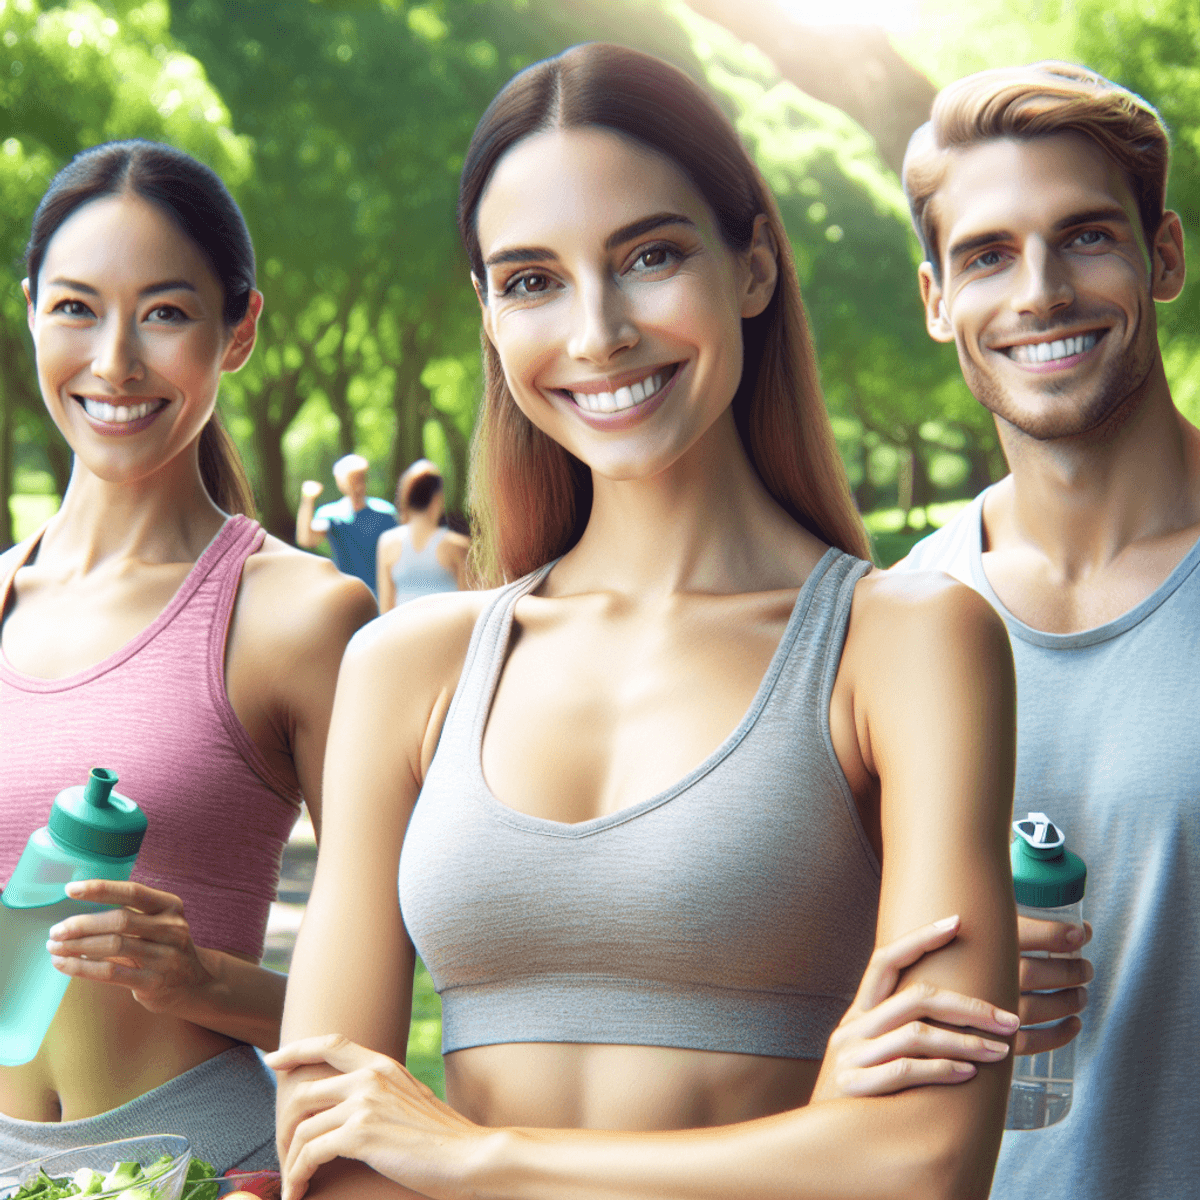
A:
{"x":854,"y":68}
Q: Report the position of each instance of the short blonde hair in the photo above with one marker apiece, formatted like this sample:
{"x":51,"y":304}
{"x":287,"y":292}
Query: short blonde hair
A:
{"x":1036,"y":101}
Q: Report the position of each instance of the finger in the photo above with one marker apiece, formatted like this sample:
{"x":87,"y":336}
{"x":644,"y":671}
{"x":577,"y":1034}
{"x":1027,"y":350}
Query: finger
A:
{"x":883,"y":970}
{"x":903,"y":1073}
{"x":308,"y":1157}
{"x":124,"y":892}
{"x":1038,"y":1041}
{"x":924,"y":1001}
{"x":168,"y":929}
{"x":1050,"y":974}
{"x":309,"y":1099}
{"x":106,"y":971}
{"x":1035,"y":1008}
{"x":1053,"y":937}
{"x":918,"y":1040}
{"x":331,"y":1048}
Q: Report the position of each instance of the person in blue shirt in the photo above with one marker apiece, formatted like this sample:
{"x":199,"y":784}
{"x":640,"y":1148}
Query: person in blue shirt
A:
{"x":352,"y":524}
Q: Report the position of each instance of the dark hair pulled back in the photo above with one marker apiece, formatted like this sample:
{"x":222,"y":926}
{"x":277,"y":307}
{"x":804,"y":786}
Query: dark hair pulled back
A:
{"x":200,"y":204}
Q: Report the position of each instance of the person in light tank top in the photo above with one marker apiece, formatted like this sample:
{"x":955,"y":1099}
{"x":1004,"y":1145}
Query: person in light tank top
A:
{"x":420,"y":557}
{"x":1039,"y":196}
{"x":657,"y":804}
{"x":152,"y":627}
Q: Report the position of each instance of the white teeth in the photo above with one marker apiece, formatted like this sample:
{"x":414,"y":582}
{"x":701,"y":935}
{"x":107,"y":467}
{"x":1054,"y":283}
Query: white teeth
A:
{"x":622,"y":398}
{"x":1041,"y":352}
{"x":117,"y":414}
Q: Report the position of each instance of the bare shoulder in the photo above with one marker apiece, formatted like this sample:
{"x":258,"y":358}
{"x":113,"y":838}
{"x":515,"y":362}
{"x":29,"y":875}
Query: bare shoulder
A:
{"x":923,"y":634}
{"x":422,"y":644}
{"x":898,"y":607}
{"x":458,"y":540}
{"x":292,"y":599}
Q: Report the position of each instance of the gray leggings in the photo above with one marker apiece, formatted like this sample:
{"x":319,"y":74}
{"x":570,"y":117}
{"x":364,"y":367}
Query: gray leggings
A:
{"x":225,"y":1107}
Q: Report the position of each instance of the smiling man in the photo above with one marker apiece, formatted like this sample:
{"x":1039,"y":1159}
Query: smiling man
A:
{"x":1038,"y":194}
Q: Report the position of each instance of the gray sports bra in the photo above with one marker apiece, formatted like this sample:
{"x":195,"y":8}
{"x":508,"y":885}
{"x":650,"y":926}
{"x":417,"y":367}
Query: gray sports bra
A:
{"x":734,"y":911}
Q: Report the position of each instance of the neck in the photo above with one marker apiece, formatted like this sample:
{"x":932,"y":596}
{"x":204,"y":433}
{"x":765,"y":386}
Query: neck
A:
{"x":1082,"y":500}
{"x":706,"y":524}
{"x":166,"y":517}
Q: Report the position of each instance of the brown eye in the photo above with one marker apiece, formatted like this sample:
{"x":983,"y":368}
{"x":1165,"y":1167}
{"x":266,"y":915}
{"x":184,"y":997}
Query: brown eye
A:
{"x":531,"y":284}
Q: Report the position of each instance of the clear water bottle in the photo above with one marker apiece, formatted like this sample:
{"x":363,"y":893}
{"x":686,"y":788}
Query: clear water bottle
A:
{"x":1049,"y":882}
{"x":93,"y":833}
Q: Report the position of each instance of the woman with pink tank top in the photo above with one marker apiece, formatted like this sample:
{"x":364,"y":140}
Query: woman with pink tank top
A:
{"x":147,"y":630}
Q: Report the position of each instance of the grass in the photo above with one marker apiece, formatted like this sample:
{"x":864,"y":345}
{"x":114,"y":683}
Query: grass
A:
{"x":29,"y":513}
{"x":425,"y":1033}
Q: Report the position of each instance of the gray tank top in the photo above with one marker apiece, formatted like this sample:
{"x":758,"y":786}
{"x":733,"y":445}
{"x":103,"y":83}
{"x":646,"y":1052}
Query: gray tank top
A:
{"x":734,"y":911}
{"x":418,"y":572}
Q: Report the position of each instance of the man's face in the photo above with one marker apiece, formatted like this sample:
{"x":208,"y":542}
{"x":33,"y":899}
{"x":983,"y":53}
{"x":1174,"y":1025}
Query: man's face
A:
{"x":353,"y":485}
{"x":1047,"y":284}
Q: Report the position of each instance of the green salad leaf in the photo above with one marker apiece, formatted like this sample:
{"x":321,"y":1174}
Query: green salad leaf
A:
{"x":135,"y":1182}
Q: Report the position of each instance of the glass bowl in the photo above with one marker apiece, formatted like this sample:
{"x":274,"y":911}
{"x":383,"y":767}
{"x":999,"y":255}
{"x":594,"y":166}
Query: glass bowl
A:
{"x":262,"y":1185}
{"x":164,"y":1184}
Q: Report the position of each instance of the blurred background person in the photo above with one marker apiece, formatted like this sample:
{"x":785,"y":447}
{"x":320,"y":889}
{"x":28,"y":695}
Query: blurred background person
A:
{"x":421,"y":555}
{"x":352,"y":524}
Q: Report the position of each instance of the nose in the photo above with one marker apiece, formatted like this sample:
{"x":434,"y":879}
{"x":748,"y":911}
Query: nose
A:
{"x":602,"y":325}
{"x":117,"y":358}
{"x":1043,"y":282}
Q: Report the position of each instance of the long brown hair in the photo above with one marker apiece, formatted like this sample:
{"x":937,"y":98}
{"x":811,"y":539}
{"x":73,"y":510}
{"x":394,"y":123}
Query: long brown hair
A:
{"x":1030,"y":102}
{"x":530,"y":498}
{"x":200,"y":204}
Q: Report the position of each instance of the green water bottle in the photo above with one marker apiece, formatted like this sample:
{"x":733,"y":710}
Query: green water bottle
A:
{"x":93,"y":833}
{"x":1049,"y":881}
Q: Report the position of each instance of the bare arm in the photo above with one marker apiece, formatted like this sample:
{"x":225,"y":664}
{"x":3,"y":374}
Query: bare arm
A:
{"x":309,"y":535}
{"x":353,"y":963}
{"x":939,"y":732}
{"x":387,"y":553}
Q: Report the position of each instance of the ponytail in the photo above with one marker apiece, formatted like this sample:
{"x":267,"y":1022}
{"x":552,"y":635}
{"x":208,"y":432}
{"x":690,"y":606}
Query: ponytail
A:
{"x":222,"y":471}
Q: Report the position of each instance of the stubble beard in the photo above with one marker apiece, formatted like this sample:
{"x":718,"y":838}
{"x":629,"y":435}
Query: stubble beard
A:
{"x":1098,"y":411}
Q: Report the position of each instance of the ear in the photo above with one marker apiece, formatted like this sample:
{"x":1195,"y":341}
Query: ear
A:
{"x":1167,"y":267}
{"x":480,"y":287}
{"x":763,"y":268}
{"x":28,"y":303}
{"x":244,"y":335}
{"x":937,"y":319}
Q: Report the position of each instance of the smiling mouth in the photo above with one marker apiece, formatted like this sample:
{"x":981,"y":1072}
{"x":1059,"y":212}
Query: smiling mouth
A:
{"x":118,"y":414}
{"x":627,"y":397}
{"x":1034,"y":353}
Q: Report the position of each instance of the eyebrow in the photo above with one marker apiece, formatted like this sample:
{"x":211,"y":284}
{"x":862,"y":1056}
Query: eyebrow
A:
{"x":1107,"y":213}
{"x":167,"y":285}
{"x":626,"y":233}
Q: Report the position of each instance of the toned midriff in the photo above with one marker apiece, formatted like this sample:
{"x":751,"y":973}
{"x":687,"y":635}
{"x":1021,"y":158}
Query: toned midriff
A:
{"x":562,"y":1085}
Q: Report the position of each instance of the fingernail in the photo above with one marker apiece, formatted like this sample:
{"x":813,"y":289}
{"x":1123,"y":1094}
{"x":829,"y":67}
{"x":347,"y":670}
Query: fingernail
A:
{"x":56,"y":933}
{"x":1075,"y":935}
{"x":995,"y":1047}
{"x":1007,"y":1020}
{"x":74,"y":888}
{"x":946,"y":922}
{"x":964,"y":1069}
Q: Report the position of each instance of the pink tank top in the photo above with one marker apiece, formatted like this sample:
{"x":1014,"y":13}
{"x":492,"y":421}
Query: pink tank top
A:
{"x":156,"y":712}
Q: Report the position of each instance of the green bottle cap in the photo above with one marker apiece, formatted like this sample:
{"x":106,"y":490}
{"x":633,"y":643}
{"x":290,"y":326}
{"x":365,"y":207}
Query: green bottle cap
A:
{"x":96,"y":820}
{"x":1045,"y":873}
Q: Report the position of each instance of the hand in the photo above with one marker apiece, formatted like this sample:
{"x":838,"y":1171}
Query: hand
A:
{"x":310,"y":489}
{"x":1063,"y":977}
{"x":144,"y":944}
{"x":372,"y":1110}
{"x":882,"y":1044}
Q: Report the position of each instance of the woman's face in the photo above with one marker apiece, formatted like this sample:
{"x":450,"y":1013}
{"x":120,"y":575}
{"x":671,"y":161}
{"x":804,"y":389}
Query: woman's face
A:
{"x":612,"y":300}
{"x":130,"y":338}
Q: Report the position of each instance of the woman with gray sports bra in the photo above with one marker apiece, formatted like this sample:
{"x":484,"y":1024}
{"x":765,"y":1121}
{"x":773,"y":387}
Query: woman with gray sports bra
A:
{"x":420,"y":556}
{"x":690,"y":773}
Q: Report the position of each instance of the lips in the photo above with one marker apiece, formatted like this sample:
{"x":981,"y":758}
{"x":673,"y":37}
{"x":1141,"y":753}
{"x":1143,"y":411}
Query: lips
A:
{"x":121,"y":417}
{"x":1053,"y":350}
{"x":628,"y":396}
